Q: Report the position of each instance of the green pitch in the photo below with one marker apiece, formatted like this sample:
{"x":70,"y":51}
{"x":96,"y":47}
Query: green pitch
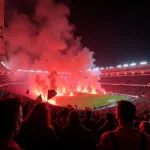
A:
{"x":89,"y":100}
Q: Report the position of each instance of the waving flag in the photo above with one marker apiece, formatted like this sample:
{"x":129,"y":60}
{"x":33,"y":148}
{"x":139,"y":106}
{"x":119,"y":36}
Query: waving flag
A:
{"x":51,"y":93}
{"x":27,"y":92}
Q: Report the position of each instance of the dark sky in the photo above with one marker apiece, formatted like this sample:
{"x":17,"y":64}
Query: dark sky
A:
{"x":118,"y":32}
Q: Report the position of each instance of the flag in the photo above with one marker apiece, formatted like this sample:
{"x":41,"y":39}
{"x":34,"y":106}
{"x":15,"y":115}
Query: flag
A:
{"x":27,"y":92}
{"x":38,"y":99}
{"x":51,"y":93}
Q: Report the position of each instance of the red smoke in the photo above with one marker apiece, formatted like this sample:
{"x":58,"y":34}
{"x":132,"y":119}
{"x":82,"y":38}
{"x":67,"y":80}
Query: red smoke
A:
{"x":48,"y":43}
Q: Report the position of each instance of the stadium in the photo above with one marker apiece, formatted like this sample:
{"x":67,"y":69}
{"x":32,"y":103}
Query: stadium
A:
{"x":55,"y":92}
{"x":122,"y":82}
{"x":88,"y":86}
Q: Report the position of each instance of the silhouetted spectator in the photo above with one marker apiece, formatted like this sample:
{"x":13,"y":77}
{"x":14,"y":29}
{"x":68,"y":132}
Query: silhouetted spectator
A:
{"x":145,"y":127}
{"x":125,"y":137}
{"x":101,"y":122}
{"x":56,"y":127}
{"x":146,"y":117}
{"x":89,"y":123}
{"x":109,"y":125}
{"x":10,"y":122}
{"x":64,"y":120}
{"x":136,"y":122}
{"x":75,"y":136}
{"x":36,"y":131}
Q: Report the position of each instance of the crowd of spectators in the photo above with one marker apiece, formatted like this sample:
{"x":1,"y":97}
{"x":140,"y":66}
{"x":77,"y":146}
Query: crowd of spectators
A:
{"x":46,"y":126}
{"x":28,"y":124}
{"x":127,"y":89}
{"x":137,"y":85}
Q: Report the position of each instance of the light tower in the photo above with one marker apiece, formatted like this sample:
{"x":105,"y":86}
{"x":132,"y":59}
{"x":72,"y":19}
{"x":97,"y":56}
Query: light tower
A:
{"x":2,"y":50}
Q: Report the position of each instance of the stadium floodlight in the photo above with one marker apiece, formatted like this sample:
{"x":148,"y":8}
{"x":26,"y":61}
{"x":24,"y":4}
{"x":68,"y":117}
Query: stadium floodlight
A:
{"x":32,"y":70}
{"x":89,"y":69}
{"x":19,"y":70}
{"x":92,"y":69}
{"x":102,"y":68}
{"x":26,"y":70}
{"x":39,"y":71}
{"x":97,"y":68}
{"x":119,"y":66}
{"x":133,"y":64}
{"x":125,"y":65}
{"x":143,"y":63}
{"x":111,"y":67}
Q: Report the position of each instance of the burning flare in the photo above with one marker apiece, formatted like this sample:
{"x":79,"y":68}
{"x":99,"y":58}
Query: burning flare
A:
{"x":93,"y":91}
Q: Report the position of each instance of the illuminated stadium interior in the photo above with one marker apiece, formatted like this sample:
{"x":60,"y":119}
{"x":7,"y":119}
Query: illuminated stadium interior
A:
{"x":92,"y":97}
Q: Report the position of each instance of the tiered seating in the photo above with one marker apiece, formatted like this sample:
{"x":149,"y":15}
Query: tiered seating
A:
{"x":141,"y":79}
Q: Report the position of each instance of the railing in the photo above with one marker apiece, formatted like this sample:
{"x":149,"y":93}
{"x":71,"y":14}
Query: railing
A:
{"x":146,"y":85}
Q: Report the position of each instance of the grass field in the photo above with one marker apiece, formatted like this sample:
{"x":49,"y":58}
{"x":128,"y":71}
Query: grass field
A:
{"x":81,"y":99}
{"x":89,"y":100}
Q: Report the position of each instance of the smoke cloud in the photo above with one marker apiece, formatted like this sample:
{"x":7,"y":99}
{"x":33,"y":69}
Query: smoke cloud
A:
{"x":47,"y":42}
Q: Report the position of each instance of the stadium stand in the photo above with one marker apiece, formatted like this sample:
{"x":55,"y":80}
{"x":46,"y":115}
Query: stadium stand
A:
{"x":46,"y":126}
{"x":127,"y":80}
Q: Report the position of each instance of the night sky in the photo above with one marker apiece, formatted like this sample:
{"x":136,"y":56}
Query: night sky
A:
{"x":118,"y":32}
